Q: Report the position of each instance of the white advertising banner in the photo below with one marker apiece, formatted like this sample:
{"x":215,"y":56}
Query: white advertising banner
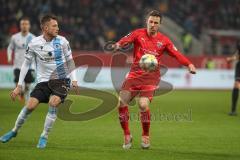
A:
{"x":179,"y":78}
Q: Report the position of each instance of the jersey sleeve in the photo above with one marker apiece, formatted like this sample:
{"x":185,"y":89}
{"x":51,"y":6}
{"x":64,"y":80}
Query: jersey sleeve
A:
{"x":23,"y":72}
{"x":10,"y":48}
{"x":67,"y":50}
{"x":69,"y":60}
{"x":172,"y":51}
{"x":129,"y":38}
{"x":29,"y":54}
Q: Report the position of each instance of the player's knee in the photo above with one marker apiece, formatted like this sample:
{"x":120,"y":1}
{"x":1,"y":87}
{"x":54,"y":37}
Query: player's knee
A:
{"x":143,"y":107}
{"x":237,"y":84}
{"x":143,"y":103}
{"x":32,"y":104}
{"x":124,"y":98}
{"x":123,"y":101}
{"x":54,"y":101}
{"x":31,"y":107}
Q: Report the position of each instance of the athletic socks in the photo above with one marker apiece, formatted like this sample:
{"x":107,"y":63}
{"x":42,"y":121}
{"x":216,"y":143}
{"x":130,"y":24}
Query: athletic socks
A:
{"x":49,"y":121}
{"x":21,"y":118}
{"x":145,"y":120}
{"x":124,"y":118}
{"x":235,"y":93}
{"x":27,"y":95}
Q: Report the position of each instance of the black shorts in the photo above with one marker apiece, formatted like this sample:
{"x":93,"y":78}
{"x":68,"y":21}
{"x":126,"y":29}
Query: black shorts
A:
{"x":44,"y":90}
{"x":30,"y":78}
{"x":237,"y":71}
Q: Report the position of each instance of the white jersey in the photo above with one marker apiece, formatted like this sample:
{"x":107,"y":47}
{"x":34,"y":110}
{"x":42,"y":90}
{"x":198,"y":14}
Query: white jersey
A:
{"x":50,"y":57}
{"x":18,"y":44}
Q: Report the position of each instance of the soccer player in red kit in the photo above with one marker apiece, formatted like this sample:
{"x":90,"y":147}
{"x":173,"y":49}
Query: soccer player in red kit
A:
{"x":139,"y":82}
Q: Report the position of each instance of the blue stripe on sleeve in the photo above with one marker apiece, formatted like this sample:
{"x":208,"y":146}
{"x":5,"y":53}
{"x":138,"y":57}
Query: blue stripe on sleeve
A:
{"x":58,"y":59}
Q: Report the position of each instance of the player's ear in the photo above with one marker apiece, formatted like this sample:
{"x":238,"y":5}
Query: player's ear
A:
{"x":41,"y":26}
{"x":146,"y":20}
{"x":44,"y":27}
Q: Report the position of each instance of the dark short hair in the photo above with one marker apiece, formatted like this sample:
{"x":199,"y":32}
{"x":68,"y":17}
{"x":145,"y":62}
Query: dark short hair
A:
{"x":155,"y":13}
{"x":47,"y":18}
{"x":25,"y":18}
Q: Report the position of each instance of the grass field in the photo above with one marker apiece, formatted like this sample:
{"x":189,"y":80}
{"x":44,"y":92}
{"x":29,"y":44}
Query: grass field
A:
{"x":200,"y":130}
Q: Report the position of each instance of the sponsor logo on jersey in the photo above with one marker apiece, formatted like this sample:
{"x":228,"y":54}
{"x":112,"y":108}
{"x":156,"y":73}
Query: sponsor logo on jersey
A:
{"x":159,"y":44}
{"x":50,"y":54}
{"x":47,"y":59}
{"x":56,"y":46}
{"x":143,"y":39}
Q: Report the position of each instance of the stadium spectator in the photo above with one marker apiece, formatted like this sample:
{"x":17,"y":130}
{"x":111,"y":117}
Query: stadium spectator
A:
{"x":95,"y":20}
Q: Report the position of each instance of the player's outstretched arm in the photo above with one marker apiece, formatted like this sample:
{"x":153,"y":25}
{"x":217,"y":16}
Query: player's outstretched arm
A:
{"x":123,"y":42}
{"x":71,"y":65}
{"x":233,"y":57}
{"x":172,"y":51}
{"x":192,"y":69}
{"x":115,"y":47}
{"x":10,"y":49}
{"x":24,"y":69}
{"x":16,"y":92}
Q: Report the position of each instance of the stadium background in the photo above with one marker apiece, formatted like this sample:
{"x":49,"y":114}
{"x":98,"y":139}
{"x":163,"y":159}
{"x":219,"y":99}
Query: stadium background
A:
{"x":205,"y":31}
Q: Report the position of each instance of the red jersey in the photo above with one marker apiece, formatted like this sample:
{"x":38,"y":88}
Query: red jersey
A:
{"x":145,"y":44}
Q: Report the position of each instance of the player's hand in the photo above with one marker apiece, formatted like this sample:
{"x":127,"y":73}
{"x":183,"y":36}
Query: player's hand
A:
{"x":115,"y":47}
{"x":230,"y":59}
{"x":16,"y":92}
{"x":9,"y":60}
{"x":192,"y":69}
{"x":75,"y":87}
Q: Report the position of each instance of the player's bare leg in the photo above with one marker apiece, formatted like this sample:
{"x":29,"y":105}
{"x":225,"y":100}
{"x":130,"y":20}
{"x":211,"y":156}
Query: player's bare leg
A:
{"x":235,"y":94}
{"x":143,"y":103}
{"x":49,"y":121}
{"x":23,"y":115}
{"x":124,"y":99}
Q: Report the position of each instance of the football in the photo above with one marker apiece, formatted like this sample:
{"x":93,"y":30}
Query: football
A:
{"x":148,"y":62}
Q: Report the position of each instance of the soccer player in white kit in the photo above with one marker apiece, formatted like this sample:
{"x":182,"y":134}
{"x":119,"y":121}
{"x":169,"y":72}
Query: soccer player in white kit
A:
{"x":53,"y":57}
{"x":18,"y":45}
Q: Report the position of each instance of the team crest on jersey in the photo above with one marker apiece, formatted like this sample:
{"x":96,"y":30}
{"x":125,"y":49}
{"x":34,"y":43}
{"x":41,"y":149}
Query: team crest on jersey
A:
{"x":50,"y":54}
{"x":159,"y":44}
{"x":56,"y":46}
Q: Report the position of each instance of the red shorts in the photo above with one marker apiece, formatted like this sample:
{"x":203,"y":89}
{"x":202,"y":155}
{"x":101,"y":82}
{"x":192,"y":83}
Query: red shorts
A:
{"x":144,"y":86}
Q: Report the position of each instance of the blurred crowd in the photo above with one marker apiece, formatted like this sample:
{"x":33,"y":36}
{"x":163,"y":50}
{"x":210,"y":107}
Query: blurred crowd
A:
{"x":88,"y":24}
{"x":195,"y":15}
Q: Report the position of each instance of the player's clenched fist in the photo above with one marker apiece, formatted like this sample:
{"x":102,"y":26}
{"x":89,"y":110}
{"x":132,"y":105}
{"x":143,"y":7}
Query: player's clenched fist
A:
{"x":16,"y":92}
{"x":192,"y":69}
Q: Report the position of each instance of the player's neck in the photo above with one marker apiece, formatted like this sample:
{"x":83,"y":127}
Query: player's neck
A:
{"x":152,"y":34}
{"x":47,"y":37}
{"x":24,"y":33}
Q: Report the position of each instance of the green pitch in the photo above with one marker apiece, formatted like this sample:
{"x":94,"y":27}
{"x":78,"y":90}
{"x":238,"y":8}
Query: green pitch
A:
{"x":186,"y":125}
